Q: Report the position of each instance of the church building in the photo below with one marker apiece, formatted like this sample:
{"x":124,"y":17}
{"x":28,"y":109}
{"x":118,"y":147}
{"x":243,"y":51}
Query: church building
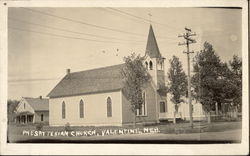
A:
{"x":96,"y":98}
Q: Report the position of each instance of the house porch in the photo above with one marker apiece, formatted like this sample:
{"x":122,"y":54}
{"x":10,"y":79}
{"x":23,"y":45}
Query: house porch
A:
{"x":24,"y":118}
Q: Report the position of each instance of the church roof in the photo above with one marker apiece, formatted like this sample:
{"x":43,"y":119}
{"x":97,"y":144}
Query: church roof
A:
{"x":89,"y":81}
{"x":38,"y":104}
{"x":152,"y":47}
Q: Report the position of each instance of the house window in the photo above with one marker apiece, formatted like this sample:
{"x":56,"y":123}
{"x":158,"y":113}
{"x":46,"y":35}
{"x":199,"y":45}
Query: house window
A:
{"x":41,"y":117}
{"x":162,"y":107}
{"x":81,"y":108}
{"x":23,"y":119}
{"x":109,"y":107}
{"x":63,"y":110}
{"x":150,"y":65}
{"x":142,"y":110}
{"x":146,"y":65}
{"x":29,"y":118}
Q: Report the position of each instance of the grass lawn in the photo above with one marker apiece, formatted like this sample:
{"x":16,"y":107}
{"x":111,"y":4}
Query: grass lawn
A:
{"x":16,"y":132}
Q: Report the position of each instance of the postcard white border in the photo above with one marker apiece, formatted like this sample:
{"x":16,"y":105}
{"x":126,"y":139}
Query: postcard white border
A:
{"x":114,"y":149}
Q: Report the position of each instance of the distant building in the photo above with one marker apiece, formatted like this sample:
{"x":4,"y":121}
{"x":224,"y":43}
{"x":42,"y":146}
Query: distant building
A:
{"x":96,"y":97}
{"x":32,"y":110}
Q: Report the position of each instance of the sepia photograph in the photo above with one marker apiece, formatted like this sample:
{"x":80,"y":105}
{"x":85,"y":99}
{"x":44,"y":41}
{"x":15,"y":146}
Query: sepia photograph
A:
{"x":120,"y":75}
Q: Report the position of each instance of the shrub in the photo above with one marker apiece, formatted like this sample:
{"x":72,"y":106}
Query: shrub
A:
{"x":67,"y":127}
{"x":39,"y":126}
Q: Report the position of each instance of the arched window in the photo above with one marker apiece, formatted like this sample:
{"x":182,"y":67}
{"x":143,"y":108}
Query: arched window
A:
{"x":146,"y":65}
{"x":63,"y":110}
{"x":142,"y":110}
{"x":41,"y":117}
{"x":109,"y":107}
{"x":150,"y":65}
{"x":81,"y":108}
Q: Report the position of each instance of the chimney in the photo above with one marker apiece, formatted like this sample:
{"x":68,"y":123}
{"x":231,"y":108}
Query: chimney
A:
{"x":68,"y":71}
{"x":40,"y":97}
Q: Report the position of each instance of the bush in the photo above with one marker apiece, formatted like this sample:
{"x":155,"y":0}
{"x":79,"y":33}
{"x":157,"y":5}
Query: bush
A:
{"x":39,"y":126}
{"x":67,"y":127}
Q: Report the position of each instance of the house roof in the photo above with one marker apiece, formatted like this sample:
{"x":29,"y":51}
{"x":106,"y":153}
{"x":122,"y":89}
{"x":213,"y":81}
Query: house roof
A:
{"x":38,"y":104}
{"x":152,"y":47}
{"x":89,"y":81}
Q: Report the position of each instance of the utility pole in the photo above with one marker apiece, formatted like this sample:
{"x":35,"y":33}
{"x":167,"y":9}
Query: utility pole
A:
{"x":188,"y":41}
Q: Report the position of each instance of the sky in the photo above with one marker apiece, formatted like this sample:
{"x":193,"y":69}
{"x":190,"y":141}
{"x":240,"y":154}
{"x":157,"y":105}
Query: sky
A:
{"x":44,"y":42}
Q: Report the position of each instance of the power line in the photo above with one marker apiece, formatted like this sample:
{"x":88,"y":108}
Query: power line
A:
{"x":75,"y":32}
{"x":224,"y":34}
{"x":123,"y":12}
{"x":70,"y":31}
{"x":81,"y":22}
{"x":18,"y":82}
{"x":143,"y":19}
{"x":129,"y":14}
{"x":119,"y":14}
{"x":64,"y":36}
{"x":29,"y":80}
{"x":88,"y":24}
{"x":139,"y":21}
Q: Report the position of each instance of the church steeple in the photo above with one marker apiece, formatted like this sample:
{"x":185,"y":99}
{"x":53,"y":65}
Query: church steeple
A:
{"x":152,"y":49}
{"x":154,"y":62}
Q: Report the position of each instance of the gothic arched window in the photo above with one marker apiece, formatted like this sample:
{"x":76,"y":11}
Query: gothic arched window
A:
{"x":81,"y":108}
{"x":63,"y":110}
{"x":146,"y":65}
{"x":109,"y":107}
{"x":150,"y":65}
{"x":142,"y":111}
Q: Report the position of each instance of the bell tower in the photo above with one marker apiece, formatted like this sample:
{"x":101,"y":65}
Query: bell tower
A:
{"x":154,"y":61}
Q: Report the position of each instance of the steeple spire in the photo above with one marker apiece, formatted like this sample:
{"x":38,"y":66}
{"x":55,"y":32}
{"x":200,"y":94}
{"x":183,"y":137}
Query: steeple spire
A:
{"x":152,"y":49}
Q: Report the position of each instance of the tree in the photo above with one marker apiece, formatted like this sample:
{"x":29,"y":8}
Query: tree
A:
{"x":215,"y":82}
{"x":208,"y":80}
{"x":177,"y":82}
{"x":135,"y":77}
{"x":230,"y":91}
{"x":236,"y":80}
{"x":11,"y":107}
{"x":234,"y":85}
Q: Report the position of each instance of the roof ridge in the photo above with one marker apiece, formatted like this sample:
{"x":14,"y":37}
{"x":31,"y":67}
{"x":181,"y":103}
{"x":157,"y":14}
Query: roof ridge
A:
{"x":97,"y":68}
{"x":36,"y":98}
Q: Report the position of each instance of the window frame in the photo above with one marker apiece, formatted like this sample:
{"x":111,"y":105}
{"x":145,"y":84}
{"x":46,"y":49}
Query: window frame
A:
{"x":63,"y":110}
{"x":109,"y":107}
{"x":81,"y":109}
{"x":144,"y":109}
{"x":146,"y":64}
{"x":165,"y":108}
{"x":150,"y":65}
{"x":41,"y":117}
